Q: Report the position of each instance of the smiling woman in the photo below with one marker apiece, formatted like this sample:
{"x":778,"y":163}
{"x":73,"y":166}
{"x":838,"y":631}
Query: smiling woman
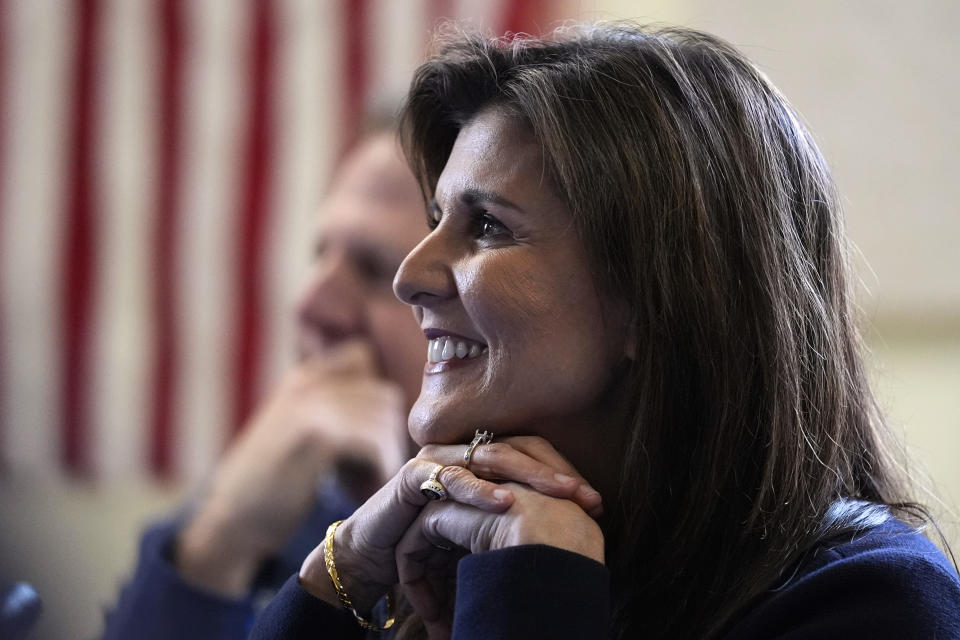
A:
{"x":637,"y":279}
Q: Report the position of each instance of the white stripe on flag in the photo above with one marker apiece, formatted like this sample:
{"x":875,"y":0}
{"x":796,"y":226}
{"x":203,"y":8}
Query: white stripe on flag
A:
{"x":126,"y":152}
{"x":485,"y":16}
{"x":397,"y":35}
{"x":307,"y":97}
{"x":216,"y":86}
{"x":39,"y":69}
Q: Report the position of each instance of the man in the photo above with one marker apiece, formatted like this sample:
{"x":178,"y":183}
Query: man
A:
{"x":337,"y":420}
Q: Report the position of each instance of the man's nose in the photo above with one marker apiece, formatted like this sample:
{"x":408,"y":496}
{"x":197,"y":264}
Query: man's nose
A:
{"x":332,"y":301}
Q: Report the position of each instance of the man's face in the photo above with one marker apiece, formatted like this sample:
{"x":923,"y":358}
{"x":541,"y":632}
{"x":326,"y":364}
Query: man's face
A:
{"x":372,"y":217}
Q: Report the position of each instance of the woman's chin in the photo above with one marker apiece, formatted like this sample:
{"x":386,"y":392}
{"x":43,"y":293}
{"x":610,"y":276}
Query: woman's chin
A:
{"x":427,"y":425}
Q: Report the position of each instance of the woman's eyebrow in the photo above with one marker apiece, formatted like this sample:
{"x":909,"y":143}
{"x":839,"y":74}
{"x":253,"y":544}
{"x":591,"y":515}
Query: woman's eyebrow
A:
{"x":473,"y":197}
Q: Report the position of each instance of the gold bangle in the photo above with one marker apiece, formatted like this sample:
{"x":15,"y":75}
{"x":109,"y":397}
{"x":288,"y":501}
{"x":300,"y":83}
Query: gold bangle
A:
{"x":341,"y":594}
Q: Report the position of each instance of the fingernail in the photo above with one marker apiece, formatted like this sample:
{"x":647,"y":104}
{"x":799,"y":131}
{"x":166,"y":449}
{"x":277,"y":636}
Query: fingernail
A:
{"x":501,"y":495}
{"x":563,"y":478}
{"x":587,"y":491}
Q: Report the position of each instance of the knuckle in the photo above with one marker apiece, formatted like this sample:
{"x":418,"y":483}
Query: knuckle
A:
{"x":408,"y":484}
{"x":297,"y":379}
{"x":428,"y":452}
{"x":431,"y":520}
{"x":456,"y":475}
{"x":481,"y":537}
{"x":538,"y":443}
{"x":496,"y":450}
{"x":410,"y":468}
{"x":477,"y":486}
{"x":474,"y":488}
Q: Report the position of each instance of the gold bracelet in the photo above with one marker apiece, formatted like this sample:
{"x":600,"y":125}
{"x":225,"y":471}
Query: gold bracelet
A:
{"x":341,"y":594}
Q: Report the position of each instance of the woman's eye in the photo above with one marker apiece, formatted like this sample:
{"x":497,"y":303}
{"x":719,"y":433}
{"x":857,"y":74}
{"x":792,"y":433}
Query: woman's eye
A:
{"x":434,"y":214}
{"x":488,"y":227}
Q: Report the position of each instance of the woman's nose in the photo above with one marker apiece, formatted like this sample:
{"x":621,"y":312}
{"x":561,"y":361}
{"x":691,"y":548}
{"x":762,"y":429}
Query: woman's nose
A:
{"x":426,"y":275}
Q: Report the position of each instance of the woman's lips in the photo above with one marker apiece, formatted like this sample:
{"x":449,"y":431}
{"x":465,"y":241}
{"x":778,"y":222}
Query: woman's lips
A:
{"x":448,"y":365}
{"x":448,"y":353}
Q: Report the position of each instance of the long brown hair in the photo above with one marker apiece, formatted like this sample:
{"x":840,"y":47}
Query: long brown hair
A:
{"x":706,"y":206}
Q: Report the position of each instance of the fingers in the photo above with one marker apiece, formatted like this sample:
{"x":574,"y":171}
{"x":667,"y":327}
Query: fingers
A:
{"x":353,"y":418}
{"x":436,"y":533}
{"x":454,"y":524}
{"x":534,"y":519}
{"x":425,"y":573}
{"x":528,"y":460}
{"x":540,"y":449}
{"x":366,"y":541}
{"x":460,"y":485}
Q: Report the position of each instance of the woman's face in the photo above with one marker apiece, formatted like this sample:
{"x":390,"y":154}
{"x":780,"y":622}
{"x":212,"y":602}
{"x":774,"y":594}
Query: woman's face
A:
{"x":504,"y":280}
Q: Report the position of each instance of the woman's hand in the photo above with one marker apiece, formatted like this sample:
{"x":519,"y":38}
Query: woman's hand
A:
{"x":365,"y":544}
{"x":533,"y":461}
{"x":428,"y":553}
{"x":430,"y":549}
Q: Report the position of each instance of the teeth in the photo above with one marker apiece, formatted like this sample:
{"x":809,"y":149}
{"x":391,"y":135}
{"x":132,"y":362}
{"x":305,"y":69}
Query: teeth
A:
{"x":446,"y":348}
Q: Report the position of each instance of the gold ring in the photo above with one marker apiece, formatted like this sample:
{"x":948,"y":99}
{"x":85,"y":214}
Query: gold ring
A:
{"x":432,"y":488}
{"x":480,"y":437}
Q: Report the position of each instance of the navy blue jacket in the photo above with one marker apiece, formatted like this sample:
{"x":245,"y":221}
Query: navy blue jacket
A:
{"x":889,"y":582}
{"x":158,"y":605}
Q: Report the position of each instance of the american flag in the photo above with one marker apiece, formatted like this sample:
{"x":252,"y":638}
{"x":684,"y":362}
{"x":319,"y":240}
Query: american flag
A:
{"x":159,"y":164}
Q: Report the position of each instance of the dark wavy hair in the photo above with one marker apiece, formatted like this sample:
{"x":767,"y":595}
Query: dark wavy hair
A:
{"x":705,"y":205}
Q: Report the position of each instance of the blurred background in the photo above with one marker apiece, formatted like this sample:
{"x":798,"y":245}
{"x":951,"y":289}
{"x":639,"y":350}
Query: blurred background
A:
{"x":159,"y":164}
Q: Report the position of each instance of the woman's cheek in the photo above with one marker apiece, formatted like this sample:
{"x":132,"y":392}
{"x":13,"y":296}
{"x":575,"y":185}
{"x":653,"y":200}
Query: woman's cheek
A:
{"x":508,"y":299}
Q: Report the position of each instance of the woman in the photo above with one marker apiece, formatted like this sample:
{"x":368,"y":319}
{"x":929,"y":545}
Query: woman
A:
{"x":637,"y":280}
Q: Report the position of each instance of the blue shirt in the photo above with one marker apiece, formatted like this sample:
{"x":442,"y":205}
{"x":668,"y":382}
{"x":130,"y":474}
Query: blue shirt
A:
{"x":887,"y":583}
{"x":157,"y":604}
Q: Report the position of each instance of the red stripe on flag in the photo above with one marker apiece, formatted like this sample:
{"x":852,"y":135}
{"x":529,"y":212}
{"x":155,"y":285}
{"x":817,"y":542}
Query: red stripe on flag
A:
{"x":439,"y":10}
{"x":79,"y":245}
{"x":356,"y":68}
{"x":254,"y":213}
{"x":166,"y":223}
{"x":523,"y":16}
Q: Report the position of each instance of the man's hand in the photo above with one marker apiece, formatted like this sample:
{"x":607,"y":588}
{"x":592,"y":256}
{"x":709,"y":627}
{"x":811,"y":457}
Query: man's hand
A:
{"x":329,"y":411}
